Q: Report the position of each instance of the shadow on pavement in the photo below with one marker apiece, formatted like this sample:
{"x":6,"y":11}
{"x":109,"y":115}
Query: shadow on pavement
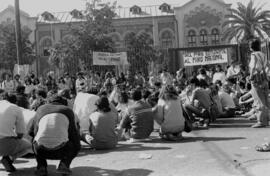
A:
{"x":93,"y":171}
{"x":31,"y":171}
{"x":20,"y":161}
{"x":85,"y":171}
{"x":196,"y":139}
{"x":232,"y":123}
{"x":123,"y":147}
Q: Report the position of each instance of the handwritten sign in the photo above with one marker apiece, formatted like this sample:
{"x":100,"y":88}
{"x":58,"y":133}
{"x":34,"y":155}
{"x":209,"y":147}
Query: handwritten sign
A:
{"x":104,"y":58}
{"x":217,"y":56}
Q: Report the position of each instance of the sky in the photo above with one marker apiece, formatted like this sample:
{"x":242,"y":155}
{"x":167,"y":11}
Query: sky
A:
{"x":35,"y":7}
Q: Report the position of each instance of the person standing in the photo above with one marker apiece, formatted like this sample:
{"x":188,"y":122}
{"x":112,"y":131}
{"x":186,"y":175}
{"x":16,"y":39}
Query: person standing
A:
{"x":259,"y":82}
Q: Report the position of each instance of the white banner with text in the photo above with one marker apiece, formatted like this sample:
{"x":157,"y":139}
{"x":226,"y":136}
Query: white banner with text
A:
{"x":214,"y":56}
{"x":105,"y":58}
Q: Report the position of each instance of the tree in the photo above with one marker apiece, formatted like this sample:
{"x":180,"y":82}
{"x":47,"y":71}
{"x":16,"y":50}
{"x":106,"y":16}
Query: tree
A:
{"x":8,"y":52}
{"x":91,"y":35}
{"x":140,"y":51}
{"x":246,"y":22}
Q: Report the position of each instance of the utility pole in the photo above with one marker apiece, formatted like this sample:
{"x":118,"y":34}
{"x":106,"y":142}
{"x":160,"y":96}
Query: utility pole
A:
{"x":18,"y":33}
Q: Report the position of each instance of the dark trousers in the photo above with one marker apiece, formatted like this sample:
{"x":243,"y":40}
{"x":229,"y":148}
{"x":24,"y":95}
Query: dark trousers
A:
{"x":190,"y":110}
{"x":65,"y":154}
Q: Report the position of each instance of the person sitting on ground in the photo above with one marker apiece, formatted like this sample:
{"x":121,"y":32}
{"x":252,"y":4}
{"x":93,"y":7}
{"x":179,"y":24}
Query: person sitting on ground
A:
{"x":169,"y":114}
{"x":22,"y":99}
{"x":123,"y":104}
{"x":102,"y":126}
{"x":81,"y":83}
{"x":200,"y":103}
{"x":8,"y":84}
{"x":12,"y":130}
{"x":138,"y":121}
{"x":203,"y":76}
{"x":84,"y":106}
{"x":227,"y":101}
{"x":17,"y":81}
{"x":219,"y":75}
{"x":40,"y":100}
{"x":55,"y":135}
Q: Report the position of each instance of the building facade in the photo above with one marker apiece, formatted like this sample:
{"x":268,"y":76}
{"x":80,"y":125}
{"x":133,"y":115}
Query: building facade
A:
{"x":193,"y":24}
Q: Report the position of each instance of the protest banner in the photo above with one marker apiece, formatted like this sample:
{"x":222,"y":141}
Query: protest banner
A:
{"x":104,"y":58}
{"x":215,"y":56}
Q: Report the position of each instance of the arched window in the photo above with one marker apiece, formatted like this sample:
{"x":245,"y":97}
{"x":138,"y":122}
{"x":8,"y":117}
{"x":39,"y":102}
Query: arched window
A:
{"x":45,"y":46}
{"x":191,"y":38}
{"x":215,"y":36}
{"x":203,"y":37}
{"x":166,"y":39}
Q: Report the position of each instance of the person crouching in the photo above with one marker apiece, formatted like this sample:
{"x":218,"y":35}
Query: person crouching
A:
{"x":54,"y":135}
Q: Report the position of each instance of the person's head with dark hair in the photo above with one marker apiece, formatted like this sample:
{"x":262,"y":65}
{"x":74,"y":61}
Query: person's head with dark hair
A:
{"x":123,"y":97}
{"x":20,"y":89}
{"x":218,"y":68}
{"x":195,"y":82}
{"x":203,"y":83}
{"x":17,"y":77}
{"x":255,"y":45}
{"x":168,"y":92}
{"x":41,"y":93}
{"x":146,"y":93}
{"x":65,"y":93}
{"x":80,"y":75}
{"x":158,"y":85}
{"x":36,"y":81}
{"x":202,"y":71}
{"x":8,"y":97}
{"x":57,"y":100}
{"x":218,"y":83}
{"x":194,"y":74}
{"x":28,"y":81}
{"x":214,"y":90}
{"x":103,"y":104}
{"x":93,"y":91}
{"x":32,"y":75}
{"x":108,"y":75}
{"x":103,"y":93}
{"x":136,"y":95}
{"x":242,"y":85}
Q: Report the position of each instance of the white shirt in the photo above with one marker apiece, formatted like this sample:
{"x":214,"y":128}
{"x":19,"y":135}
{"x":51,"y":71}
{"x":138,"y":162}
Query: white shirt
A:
{"x":52,"y":130}
{"x":84,"y":105}
{"x":219,"y":76}
{"x":226,"y":100}
{"x":8,"y":85}
{"x":11,"y":120}
{"x":232,"y":71}
{"x":259,"y":62}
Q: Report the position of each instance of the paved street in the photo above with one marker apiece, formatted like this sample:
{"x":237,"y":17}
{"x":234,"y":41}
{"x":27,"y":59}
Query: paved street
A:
{"x":227,"y":149}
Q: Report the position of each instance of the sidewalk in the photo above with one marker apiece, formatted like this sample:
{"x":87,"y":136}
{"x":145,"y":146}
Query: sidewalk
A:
{"x":226,"y":149}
